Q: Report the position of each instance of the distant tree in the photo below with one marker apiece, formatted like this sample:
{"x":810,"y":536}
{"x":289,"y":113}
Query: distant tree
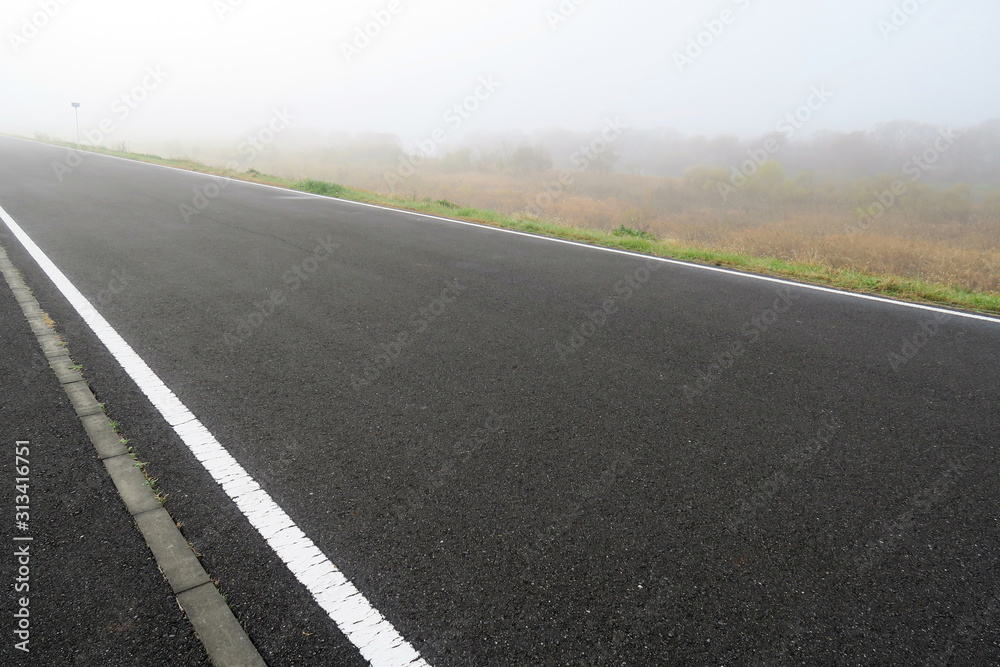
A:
{"x":603,"y":162}
{"x":848,"y":155}
{"x":705,"y":177}
{"x":768,"y":183}
{"x":771,"y":173}
{"x":527,"y":158}
{"x":903,"y":136}
{"x":977,"y":153}
{"x":487,"y":160}
{"x":560,"y":144}
{"x":724,"y":150}
{"x":457,"y":161}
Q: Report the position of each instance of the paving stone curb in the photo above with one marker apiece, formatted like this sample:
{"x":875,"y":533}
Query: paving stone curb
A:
{"x":224,"y":639}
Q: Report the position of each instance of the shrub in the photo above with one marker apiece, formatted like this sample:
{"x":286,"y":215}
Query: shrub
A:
{"x":637,"y":233}
{"x":320,"y":188}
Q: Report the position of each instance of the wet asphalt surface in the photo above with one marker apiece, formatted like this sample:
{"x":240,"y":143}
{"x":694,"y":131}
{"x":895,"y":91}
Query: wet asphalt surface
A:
{"x":523,"y":452}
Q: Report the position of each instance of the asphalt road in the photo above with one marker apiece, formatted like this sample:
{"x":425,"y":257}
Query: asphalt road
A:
{"x":527,"y":452}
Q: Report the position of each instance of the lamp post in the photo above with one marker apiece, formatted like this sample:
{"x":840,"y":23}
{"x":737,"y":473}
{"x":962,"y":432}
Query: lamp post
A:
{"x":76,"y":108}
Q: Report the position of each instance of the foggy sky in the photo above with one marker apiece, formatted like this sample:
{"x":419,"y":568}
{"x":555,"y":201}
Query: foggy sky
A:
{"x":194,"y":70}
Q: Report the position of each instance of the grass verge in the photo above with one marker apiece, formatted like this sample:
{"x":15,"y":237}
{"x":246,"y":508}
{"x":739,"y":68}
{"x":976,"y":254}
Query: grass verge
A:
{"x":892,"y":286}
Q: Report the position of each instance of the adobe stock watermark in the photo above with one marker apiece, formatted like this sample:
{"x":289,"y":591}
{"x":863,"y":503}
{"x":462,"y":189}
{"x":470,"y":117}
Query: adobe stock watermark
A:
{"x":901,"y":14}
{"x":365,"y":35}
{"x":915,"y":168}
{"x":561,"y":522}
{"x":582,"y":159}
{"x":558,"y":530}
{"x":901,"y":526}
{"x":917,"y":341}
{"x":562,"y":13}
{"x":22,"y":545}
{"x":462,"y":450}
{"x":788,"y":125}
{"x":752,"y":330}
{"x":249,"y":149}
{"x":33,"y":24}
{"x":770,"y":486}
{"x":124,"y":106}
{"x":293,"y":279}
{"x":595,"y":320}
{"x":225,"y":7}
{"x":120,"y":281}
{"x":453,"y":119}
{"x":713,"y":29}
{"x":419,"y":323}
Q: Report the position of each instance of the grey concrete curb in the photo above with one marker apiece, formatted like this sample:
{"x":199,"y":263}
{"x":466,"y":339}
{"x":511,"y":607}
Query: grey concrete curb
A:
{"x":224,"y":639}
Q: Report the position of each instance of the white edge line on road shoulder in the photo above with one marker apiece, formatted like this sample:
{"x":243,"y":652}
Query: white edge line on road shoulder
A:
{"x":375,"y":637}
{"x":617,"y":251}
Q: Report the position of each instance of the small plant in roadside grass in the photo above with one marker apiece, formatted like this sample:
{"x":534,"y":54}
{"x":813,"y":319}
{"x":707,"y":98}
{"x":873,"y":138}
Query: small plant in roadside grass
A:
{"x":137,"y":462}
{"x":319,"y":187}
{"x":636,"y":233}
{"x":151,"y":481}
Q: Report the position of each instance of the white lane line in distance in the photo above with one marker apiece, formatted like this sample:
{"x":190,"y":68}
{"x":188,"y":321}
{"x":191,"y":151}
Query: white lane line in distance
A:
{"x":676,"y":262}
{"x":375,"y":637}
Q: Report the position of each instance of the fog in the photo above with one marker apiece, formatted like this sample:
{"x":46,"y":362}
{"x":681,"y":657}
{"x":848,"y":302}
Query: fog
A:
{"x":191,"y":77}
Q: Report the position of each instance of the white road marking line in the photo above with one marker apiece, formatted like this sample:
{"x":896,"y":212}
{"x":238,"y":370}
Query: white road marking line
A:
{"x":375,"y":637}
{"x":676,"y":262}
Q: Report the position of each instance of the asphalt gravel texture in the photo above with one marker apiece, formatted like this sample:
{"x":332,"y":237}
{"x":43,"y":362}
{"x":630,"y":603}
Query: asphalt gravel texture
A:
{"x":527,"y":452}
